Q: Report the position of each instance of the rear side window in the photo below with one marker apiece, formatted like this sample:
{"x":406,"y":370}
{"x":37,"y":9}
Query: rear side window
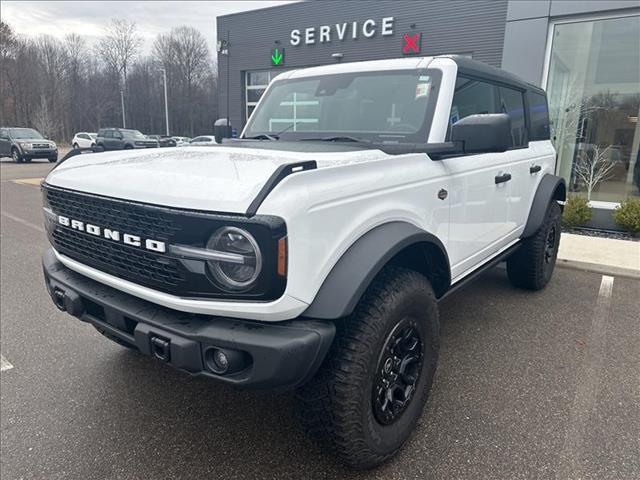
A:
{"x":512,"y":103}
{"x":539,"y":129}
{"x":472,"y":97}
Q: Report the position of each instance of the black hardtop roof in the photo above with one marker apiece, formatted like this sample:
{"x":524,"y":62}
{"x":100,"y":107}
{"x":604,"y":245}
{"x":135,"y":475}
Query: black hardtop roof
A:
{"x":475,"y":68}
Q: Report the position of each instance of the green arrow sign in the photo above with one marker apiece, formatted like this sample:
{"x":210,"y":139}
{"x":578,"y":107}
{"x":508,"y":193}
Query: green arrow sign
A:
{"x":277,"y":56}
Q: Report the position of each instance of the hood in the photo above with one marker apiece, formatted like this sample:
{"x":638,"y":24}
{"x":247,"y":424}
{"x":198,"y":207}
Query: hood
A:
{"x":220,"y":179}
{"x":33,"y":140}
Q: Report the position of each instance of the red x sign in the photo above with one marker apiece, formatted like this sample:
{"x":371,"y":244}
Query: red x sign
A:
{"x":411,"y":43}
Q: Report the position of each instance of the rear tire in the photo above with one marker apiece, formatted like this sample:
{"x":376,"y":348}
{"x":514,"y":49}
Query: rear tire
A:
{"x":532,"y":265}
{"x":343,"y":406}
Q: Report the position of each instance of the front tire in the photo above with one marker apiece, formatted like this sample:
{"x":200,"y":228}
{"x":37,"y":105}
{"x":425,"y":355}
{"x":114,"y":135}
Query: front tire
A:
{"x":368,"y":395}
{"x":76,"y":146}
{"x":16,"y":155}
{"x":532,"y":265}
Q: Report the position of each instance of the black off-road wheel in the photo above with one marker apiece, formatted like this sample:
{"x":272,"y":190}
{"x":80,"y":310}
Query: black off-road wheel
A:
{"x":532,"y":265}
{"x":369,"y":394}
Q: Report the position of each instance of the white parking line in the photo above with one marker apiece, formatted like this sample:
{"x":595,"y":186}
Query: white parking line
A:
{"x":587,"y":386}
{"x":4,"y":365}
{"x":23,"y":222}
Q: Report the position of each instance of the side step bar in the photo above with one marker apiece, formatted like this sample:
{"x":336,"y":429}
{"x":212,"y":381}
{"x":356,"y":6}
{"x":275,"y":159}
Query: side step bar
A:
{"x":480,"y":270}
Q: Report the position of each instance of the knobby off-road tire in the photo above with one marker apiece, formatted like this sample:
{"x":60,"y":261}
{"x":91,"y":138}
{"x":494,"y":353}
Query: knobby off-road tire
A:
{"x":342,"y":407}
{"x":531,"y":266}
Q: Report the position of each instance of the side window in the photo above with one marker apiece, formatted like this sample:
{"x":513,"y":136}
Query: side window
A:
{"x":3,"y":133}
{"x":108,"y":134}
{"x":471,"y":97}
{"x":539,"y":129}
{"x":512,"y":103}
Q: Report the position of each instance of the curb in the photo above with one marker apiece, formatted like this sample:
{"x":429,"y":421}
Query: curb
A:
{"x":599,"y":268}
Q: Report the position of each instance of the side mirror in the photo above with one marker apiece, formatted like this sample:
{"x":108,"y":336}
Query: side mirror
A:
{"x":222,"y":130}
{"x":483,"y":133}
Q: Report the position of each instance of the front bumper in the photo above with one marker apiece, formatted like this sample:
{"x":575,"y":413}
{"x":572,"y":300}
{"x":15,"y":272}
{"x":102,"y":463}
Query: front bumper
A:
{"x":39,"y":152}
{"x":261,"y":355}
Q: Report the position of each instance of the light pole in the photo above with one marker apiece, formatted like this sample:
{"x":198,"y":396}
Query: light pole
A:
{"x":166,"y":105}
{"x":124,"y":121}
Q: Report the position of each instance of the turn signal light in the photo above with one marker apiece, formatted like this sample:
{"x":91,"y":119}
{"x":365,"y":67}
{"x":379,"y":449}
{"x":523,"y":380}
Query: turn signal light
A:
{"x":282,"y":256}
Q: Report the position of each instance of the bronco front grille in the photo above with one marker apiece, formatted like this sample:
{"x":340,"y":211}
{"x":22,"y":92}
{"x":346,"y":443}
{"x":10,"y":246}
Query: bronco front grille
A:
{"x":159,"y":271}
{"x":132,"y":264}
{"x":132,"y":218}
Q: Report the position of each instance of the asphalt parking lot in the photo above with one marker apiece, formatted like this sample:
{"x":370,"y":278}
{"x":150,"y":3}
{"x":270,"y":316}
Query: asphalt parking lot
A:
{"x":529,"y":385}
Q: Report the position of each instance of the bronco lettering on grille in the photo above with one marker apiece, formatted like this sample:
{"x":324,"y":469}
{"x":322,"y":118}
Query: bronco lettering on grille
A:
{"x":126,"y":238}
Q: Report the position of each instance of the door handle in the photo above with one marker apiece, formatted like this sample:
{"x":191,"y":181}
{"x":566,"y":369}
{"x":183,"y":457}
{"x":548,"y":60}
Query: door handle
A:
{"x":535,"y":168}
{"x":505,"y":177}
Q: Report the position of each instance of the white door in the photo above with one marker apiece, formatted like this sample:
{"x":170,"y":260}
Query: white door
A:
{"x":478,"y":225}
{"x":480,"y":187}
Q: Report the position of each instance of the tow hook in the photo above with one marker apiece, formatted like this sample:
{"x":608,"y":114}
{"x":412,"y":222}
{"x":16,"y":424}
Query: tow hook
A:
{"x":58,"y":299}
{"x":160,"y":348}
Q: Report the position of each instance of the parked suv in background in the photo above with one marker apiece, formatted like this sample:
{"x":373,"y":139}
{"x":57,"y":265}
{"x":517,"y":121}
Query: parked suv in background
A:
{"x":163,"y":140}
{"x":24,"y":144}
{"x":313,"y":253}
{"x":123,"y":139}
{"x":84,"y":140}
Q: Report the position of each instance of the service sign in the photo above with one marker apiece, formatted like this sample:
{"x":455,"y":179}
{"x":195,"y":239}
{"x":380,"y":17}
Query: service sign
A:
{"x":354,"y":30}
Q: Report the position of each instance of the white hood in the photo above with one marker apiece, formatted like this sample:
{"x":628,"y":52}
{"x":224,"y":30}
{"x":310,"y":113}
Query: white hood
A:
{"x":221,"y":179}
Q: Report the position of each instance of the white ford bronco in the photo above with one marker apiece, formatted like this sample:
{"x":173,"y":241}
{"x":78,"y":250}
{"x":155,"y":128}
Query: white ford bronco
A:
{"x":311,"y":252}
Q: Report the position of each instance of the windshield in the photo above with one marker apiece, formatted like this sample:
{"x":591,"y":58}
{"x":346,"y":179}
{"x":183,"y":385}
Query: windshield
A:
{"x":132,"y":134}
{"x":389,"y":106}
{"x":25,"y":133}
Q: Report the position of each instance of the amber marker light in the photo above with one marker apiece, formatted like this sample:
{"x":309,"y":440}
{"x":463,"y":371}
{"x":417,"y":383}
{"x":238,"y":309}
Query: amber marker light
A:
{"x":282,"y":256}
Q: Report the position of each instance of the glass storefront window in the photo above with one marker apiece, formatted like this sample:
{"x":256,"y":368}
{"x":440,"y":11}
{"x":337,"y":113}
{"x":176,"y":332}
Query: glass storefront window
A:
{"x":593,"y":86}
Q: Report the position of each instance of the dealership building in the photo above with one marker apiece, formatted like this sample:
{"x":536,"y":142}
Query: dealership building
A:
{"x":585,"y":54}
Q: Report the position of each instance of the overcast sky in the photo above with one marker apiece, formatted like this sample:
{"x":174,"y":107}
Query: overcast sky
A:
{"x":89,"y":18}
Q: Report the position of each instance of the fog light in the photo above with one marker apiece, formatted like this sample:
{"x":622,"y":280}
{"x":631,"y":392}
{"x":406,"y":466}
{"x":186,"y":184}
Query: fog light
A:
{"x":225,"y":361}
{"x":221,"y":361}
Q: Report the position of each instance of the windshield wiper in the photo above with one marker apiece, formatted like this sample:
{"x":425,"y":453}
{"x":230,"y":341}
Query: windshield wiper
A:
{"x":263,"y":136}
{"x":338,"y":138}
{"x":270,"y":136}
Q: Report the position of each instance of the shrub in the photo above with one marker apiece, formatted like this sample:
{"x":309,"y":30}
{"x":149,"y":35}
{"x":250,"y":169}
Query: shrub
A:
{"x":628,"y":215}
{"x":576,"y":211}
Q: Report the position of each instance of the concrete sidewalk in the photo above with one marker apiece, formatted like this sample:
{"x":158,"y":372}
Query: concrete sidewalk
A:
{"x":602,"y":255}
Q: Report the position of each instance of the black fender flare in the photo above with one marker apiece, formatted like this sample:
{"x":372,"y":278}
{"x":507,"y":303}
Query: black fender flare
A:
{"x":363,"y":260}
{"x":551,"y":188}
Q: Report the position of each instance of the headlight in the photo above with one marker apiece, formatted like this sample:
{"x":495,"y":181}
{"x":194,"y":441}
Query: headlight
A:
{"x":25,"y":144}
{"x":53,"y":145}
{"x":243,"y":268}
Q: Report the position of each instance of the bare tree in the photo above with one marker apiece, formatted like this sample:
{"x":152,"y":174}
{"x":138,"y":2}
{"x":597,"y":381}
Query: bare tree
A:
{"x":184,"y":54}
{"x":43,"y":120}
{"x":594,"y":166}
{"x":8,"y":49}
{"x":120,"y":46}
